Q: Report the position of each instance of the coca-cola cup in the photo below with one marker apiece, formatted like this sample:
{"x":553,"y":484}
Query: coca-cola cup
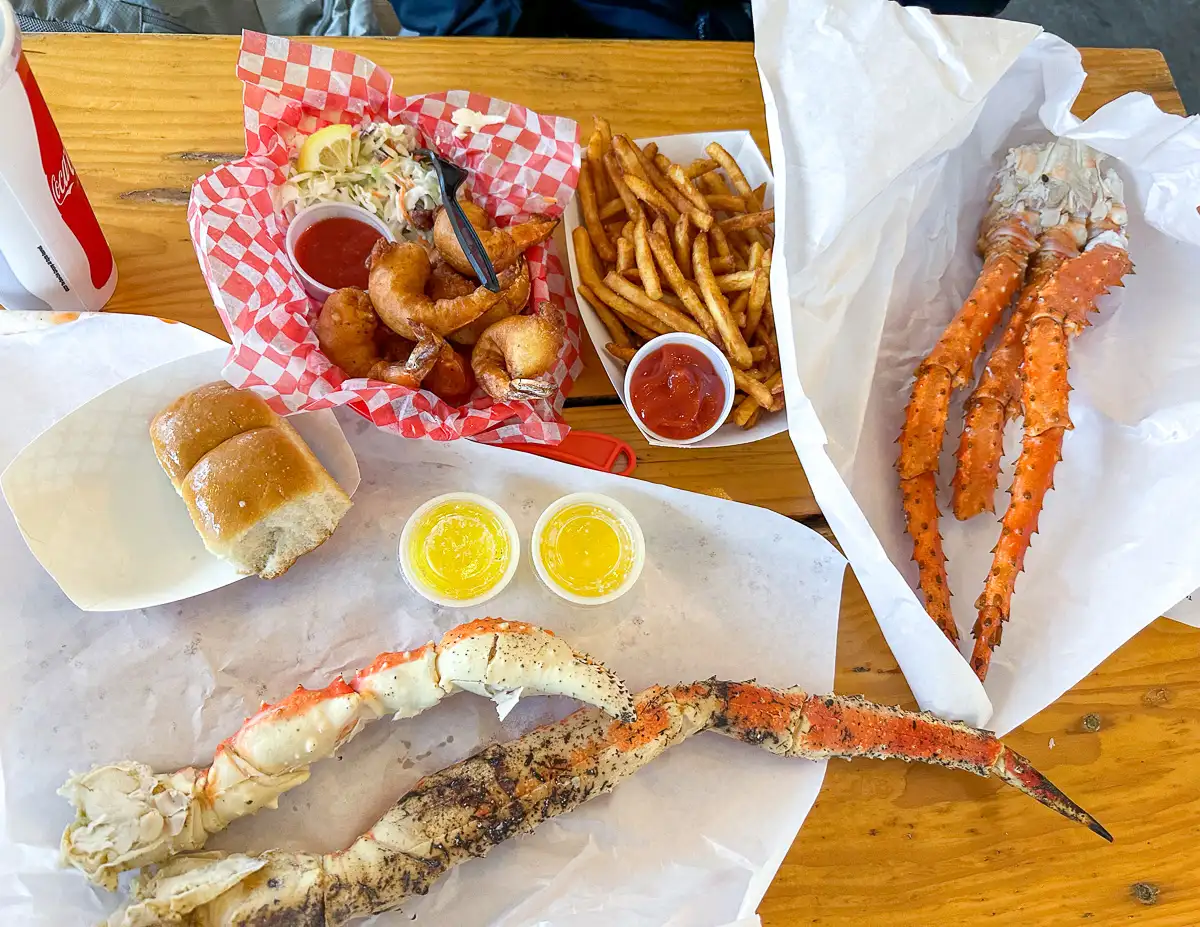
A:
{"x":53,"y":255}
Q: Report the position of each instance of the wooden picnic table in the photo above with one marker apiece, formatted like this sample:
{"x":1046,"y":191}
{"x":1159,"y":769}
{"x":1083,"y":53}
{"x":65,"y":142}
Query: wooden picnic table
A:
{"x":887,"y":843}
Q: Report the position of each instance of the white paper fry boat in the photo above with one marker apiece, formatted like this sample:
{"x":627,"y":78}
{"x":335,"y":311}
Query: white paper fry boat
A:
{"x":100,"y":515}
{"x":682,"y":149}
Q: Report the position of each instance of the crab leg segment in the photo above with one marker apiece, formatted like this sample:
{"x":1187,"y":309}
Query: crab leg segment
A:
{"x":996,"y":398}
{"x":127,"y":816}
{"x":1061,"y":308}
{"x":1008,"y":237}
{"x":467,"y":809}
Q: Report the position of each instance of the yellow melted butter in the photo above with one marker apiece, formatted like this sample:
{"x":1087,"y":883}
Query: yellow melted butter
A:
{"x":459,"y":550}
{"x":587,"y":550}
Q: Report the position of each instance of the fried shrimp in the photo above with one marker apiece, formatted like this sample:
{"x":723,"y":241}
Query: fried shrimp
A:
{"x":516,"y":297}
{"x":512,"y":355}
{"x":399,"y":272}
{"x":347,"y":330}
{"x":503,"y":246}
{"x":451,"y":378}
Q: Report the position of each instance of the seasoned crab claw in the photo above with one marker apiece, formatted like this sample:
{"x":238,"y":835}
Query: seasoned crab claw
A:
{"x":850,"y":726}
{"x":464,"y":811}
{"x":128,"y":816}
{"x":1018,"y":772}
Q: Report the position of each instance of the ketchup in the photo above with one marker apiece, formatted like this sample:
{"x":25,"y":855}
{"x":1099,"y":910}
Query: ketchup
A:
{"x":334,"y":251}
{"x":677,"y":392}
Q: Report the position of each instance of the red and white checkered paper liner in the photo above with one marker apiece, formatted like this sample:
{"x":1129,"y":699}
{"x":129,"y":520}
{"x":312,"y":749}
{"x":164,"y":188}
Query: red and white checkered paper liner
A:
{"x":528,"y":164}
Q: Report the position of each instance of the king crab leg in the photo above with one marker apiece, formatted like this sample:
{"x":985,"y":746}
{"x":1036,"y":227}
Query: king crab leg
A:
{"x":1060,"y":311}
{"x":1007,"y":238}
{"x":466,"y":810}
{"x":996,"y":399}
{"x":127,"y":816}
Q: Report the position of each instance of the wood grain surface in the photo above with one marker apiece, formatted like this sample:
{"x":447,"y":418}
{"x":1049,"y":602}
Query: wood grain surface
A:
{"x":887,"y":844}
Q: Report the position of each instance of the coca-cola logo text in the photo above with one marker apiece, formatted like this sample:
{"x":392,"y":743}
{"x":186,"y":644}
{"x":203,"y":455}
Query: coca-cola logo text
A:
{"x":62,"y":182}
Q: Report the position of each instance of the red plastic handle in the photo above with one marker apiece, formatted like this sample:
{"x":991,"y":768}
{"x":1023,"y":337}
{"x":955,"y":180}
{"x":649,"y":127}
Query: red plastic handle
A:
{"x":589,"y":449}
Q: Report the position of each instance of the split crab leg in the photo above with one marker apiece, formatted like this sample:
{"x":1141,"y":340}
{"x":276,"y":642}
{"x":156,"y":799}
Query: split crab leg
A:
{"x":127,"y":816}
{"x":467,"y":809}
{"x":1060,"y":311}
{"x":1009,"y":235}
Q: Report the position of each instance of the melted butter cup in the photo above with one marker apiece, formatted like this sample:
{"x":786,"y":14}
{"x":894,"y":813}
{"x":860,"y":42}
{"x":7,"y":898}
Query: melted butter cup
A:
{"x":588,"y":549}
{"x":459,"y":550}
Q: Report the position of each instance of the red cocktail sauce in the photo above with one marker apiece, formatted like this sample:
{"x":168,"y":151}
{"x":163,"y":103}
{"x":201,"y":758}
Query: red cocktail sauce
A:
{"x":677,"y":392}
{"x":334,"y":251}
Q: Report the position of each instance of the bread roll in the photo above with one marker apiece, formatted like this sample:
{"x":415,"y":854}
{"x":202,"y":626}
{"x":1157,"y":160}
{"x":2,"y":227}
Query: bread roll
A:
{"x":198,"y":421}
{"x":256,"y":493}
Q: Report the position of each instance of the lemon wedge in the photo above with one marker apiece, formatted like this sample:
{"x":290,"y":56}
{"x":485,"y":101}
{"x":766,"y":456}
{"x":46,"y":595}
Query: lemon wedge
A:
{"x":327,"y":149}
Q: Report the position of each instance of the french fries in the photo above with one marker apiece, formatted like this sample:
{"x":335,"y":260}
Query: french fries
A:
{"x":723,"y":201}
{"x":735,"y":345}
{"x":725,"y":159}
{"x":595,"y":162}
{"x":625,"y":257}
{"x":681,"y":285}
{"x":621,"y":352}
{"x":701,"y":166}
{"x":600,"y":124}
{"x":736,"y":282}
{"x":651,"y":196}
{"x":613,"y":169}
{"x":679,"y":247}
{"x":683,"y":245}
{"x":612,"y":209}
{"x":750,"y":220}
{"x":645,"y":260}
{"x":616,"y":330}
{"x":758,"y":294}
{"x":687,"y":188}
{"x":591,"y":215}
{"x":673,"y":319}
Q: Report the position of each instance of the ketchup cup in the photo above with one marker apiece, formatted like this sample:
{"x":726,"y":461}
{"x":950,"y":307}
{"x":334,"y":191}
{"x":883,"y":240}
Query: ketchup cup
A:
{"x":720,"y":365}
{"x":310,"y":216}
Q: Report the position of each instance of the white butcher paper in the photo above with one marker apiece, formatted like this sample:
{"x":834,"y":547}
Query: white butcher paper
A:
{"x":886,"y":125}
{"x":692,"y":840}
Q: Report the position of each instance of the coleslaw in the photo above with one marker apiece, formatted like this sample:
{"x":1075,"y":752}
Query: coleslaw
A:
{"x":383,"y":177}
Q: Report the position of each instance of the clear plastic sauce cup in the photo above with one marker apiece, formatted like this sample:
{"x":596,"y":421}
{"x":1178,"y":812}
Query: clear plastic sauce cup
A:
{"x":459,"y":550}
{"x":588,"y":549}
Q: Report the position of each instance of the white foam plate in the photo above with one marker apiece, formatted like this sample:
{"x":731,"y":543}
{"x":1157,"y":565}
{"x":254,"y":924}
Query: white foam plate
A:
{"x":684,"y":149}
{"x":98,"y":511}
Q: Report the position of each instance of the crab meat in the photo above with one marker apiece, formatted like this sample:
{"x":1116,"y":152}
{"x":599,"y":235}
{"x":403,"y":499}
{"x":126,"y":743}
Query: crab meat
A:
{"x":466,"y":810}
{"x":127,"y":816}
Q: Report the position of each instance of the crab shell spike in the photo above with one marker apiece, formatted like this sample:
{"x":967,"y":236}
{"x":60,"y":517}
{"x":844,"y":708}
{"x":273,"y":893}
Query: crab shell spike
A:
{"x":491,"y":656}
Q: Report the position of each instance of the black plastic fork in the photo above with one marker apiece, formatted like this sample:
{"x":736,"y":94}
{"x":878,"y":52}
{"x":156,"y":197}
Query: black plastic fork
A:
{"x":450,"y":177}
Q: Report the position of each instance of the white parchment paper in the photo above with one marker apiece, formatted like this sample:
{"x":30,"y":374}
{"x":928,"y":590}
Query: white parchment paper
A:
{"x":693,"y":839}
{"x":1187,"y":610}
{"x":886,"y":124}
